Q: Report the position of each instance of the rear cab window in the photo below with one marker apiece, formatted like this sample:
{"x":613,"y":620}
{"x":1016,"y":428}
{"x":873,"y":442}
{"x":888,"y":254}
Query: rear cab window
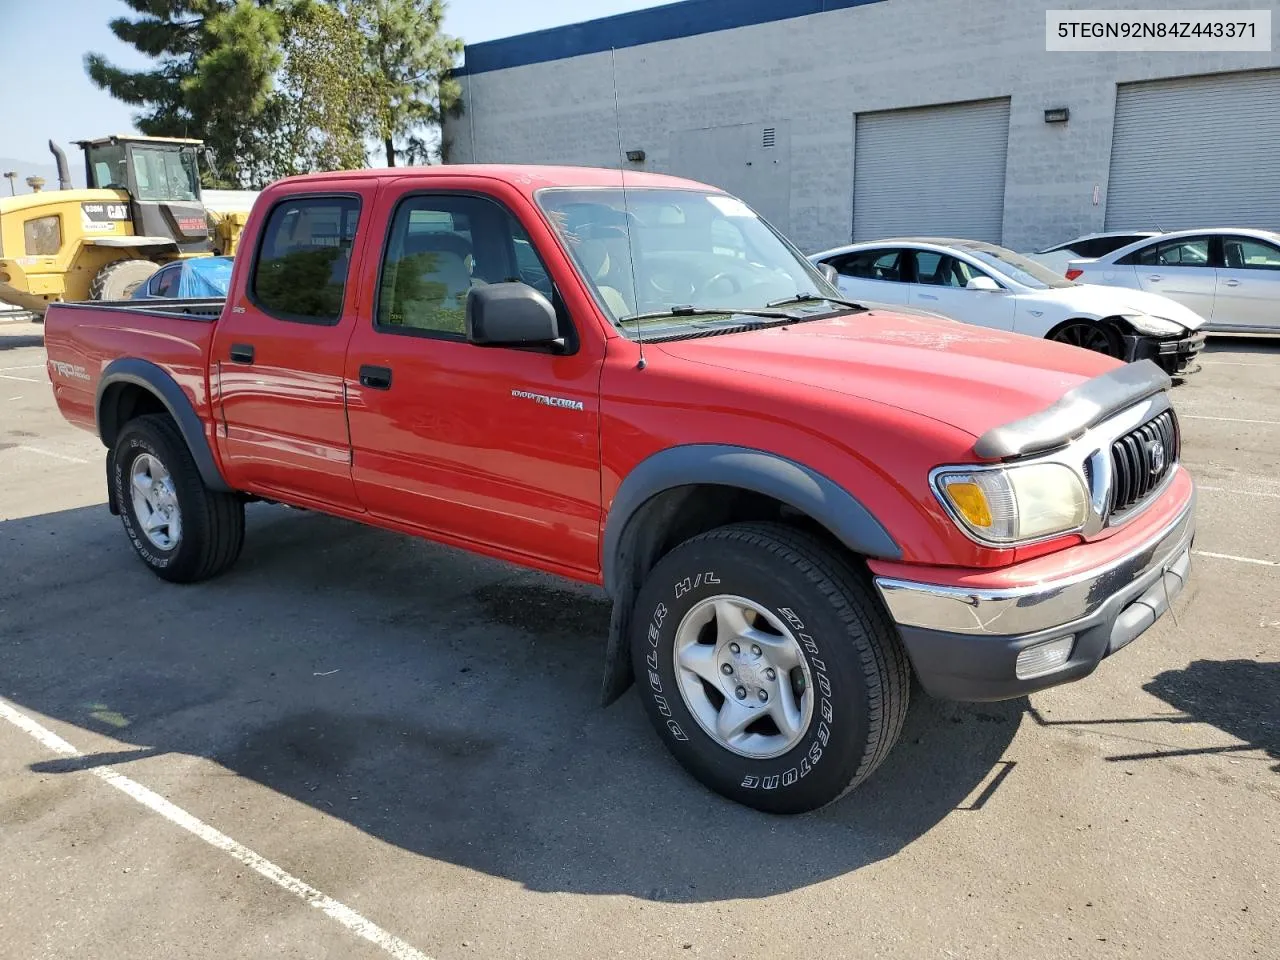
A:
{"x":304,"y":258}
{"x":881,"y":264}
{"x":1184,"y":252}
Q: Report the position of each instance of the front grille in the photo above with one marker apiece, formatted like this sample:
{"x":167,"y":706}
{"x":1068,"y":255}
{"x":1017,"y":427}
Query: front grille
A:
{"x":1141,"y":460}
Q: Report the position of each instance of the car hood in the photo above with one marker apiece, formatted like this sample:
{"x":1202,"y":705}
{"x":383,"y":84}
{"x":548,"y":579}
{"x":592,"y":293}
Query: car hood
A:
{"x":968,"y":377}
{"x":1103,"y":301}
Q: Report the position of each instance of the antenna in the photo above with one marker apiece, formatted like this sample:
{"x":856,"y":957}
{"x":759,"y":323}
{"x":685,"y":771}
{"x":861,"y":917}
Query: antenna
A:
{"x":626,"y":206}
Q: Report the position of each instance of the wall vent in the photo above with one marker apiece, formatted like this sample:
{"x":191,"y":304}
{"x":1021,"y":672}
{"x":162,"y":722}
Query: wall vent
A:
{"x":770,"y":138}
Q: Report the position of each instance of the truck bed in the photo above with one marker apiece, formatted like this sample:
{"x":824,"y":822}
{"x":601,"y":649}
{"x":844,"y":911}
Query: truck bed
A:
{"x":83,"y":339}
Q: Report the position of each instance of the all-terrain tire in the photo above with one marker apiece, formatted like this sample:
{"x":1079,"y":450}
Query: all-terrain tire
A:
{"x":212,"y":522}
{"x":858,"y":668}
{"x":118,"y":280}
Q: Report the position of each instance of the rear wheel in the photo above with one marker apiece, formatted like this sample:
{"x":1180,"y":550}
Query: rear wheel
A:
{"x":767,"y":666}
{"x":180,"y":528}
{"x":1090,"y":335}
{"x":118,"y":281}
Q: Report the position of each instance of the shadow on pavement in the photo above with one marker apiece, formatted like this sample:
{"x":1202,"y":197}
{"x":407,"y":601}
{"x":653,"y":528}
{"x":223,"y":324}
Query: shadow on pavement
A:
{"x":439,"y":702}
{"x":1239,"y":697}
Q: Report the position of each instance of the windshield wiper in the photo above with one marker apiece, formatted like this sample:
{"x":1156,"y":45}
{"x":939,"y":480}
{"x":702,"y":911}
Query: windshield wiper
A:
{"x":686,"y":311}
{"x":812,"y":297}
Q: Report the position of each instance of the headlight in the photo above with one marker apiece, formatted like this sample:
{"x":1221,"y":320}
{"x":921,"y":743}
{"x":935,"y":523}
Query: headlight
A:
{"x":1014,"y":504}
{"x":1153,"y":326}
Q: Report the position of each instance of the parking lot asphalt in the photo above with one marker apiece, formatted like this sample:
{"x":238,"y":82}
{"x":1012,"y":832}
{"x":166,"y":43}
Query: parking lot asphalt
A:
{"x":409,"y":738}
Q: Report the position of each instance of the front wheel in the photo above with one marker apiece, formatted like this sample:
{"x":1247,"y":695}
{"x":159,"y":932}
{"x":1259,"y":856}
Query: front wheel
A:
{"x":180,"y":528}
{"x":1089,"y":335}
{"x":768,"y":667}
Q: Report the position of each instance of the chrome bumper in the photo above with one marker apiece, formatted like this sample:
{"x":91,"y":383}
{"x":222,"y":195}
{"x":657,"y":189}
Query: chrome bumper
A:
{"x":1029,"y":609}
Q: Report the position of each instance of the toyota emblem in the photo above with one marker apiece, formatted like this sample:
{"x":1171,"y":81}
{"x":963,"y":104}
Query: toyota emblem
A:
{"x":1155,"y":454}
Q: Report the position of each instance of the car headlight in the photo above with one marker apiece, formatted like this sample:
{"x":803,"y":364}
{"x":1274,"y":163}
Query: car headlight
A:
{"x":1014,"y":504}
{"x":1153,"y":326}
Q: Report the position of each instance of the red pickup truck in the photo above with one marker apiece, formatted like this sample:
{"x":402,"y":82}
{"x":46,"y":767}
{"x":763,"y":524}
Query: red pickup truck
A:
{"x":794,"y":502}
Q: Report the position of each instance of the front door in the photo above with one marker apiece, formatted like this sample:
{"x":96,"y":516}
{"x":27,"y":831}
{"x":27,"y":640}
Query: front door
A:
{"x":484,"y":446}
{"x":279,"y":353}
{"x":940,"y":286}
{"x":1248,"y":285}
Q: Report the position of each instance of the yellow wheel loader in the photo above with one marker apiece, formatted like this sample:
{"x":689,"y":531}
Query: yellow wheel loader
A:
{"x":143,"y":208}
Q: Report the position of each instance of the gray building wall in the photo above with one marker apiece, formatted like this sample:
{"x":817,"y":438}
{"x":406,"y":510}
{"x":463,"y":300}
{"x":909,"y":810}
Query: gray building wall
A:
{"x":813,"y":74}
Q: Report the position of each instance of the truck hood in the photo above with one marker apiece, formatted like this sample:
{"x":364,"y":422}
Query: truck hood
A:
{"x":964,"y":376}
{"x":1102,"y":301}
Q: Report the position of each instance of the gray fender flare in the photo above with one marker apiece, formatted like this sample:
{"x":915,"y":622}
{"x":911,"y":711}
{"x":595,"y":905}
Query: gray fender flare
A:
{"x":784,"y":480}
{"x":149,"y":376}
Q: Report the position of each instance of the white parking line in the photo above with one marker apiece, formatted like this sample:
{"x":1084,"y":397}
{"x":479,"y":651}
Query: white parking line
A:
{"x":1240,"y":493}
{"x":1229,"y":556}
{"x":1192,"y":416}
{"x":4,"y":376}
{"x":25,"y":366}
{"x":51,"y":453}
{"x":340,"y":912}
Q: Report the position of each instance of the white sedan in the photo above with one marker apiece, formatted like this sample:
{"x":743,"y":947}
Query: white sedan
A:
{"x":990,"y":286}
{"x":1229,"y":276}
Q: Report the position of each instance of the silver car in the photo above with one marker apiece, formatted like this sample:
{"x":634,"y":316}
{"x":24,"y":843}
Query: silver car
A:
{"x":1230,"y":276}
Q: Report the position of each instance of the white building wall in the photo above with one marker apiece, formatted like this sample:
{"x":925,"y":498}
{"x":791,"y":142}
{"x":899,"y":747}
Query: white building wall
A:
{"x":818,"y":72}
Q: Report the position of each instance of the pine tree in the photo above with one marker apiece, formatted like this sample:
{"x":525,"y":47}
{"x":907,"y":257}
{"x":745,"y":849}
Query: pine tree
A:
{"x":215,"y":66}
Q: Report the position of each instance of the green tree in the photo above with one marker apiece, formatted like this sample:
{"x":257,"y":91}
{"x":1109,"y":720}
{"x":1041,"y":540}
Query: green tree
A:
{"x":320,"y":113}
{"x":213,"y":78}
{"x":409,"y":60}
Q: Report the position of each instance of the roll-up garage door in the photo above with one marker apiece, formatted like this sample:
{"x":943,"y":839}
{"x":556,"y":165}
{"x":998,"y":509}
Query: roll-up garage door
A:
{"x":936,"y":171}
{"x":1196,"y":152}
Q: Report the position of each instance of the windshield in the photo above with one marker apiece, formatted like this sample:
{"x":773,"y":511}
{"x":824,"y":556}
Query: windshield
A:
{"x":1017,"y":267}
{"x":662,"y":249}
{"x":165,"y":173}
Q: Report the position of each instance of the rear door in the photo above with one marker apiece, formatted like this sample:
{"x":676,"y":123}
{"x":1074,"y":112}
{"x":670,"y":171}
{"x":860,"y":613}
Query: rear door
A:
{"x":1248,"y":292}
{"x":1181,"y":269}
{"x":939,"y":282}
{"x":485,"y":446}
{"x":875,"y":275}
{"x":279,"y":351}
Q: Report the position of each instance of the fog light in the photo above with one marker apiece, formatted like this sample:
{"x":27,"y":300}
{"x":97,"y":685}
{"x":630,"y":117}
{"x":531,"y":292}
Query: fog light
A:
{"x":1043,"y":657}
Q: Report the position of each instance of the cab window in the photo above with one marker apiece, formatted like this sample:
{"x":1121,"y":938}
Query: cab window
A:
{"x":1241,"y":253}
{"x":304,"y":259}
{"x":439,"y":248}
{"x":1188,"y":252}
{"x":940,"y":270}
{"x":871,"y":265}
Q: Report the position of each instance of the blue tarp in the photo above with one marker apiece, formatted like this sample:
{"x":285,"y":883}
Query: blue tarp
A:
{"x":205,"y":277}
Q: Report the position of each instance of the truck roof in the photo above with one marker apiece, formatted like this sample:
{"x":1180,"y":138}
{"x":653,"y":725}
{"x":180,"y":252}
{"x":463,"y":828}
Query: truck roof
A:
{"x":527,"y":177}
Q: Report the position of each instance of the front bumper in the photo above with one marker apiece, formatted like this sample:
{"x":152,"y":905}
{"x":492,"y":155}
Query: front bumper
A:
{"x":964,"y":643}
{"x":1177,"y":357}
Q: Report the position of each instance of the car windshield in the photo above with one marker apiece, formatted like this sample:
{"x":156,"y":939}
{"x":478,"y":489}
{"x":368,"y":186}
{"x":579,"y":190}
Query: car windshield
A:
{"x":705,"y":255}
{"x":1017,"y":267}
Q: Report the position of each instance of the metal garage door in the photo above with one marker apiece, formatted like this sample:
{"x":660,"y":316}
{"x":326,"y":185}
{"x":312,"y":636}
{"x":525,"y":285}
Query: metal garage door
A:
{"x":935,"y":170}
{"x":1196,"y":152}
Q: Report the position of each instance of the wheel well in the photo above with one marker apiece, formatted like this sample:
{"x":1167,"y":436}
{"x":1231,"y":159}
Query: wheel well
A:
{"x":121,"y":403}
{"x":658,"y":526}
{"x":1114,"y":324}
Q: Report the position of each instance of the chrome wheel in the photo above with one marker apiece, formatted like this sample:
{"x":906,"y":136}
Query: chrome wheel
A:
{"x":743,"y":676}
{"x":1089,"y":336}
{"x":155,"y":501}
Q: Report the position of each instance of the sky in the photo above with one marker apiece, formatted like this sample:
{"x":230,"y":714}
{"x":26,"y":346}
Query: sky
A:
{"x":47,"y":95}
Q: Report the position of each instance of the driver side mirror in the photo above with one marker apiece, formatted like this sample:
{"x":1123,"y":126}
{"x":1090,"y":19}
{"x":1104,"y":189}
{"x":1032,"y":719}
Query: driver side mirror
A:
{"x":511,"y":315}
{"x":831,"y":273}
{"x":983,"y":283}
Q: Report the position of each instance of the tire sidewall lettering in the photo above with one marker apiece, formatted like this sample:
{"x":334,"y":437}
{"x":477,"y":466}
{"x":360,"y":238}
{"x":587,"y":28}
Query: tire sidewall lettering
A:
{"x":123,"y":464}
{"x":802,"y":759}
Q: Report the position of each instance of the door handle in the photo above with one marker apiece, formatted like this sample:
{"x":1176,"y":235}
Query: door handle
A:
{"x":242,"y":353}
{"x":1231,"y":283}
{"x":1155,"y":279}
{"x":375,"y":378}
{"x":927,"y":296}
